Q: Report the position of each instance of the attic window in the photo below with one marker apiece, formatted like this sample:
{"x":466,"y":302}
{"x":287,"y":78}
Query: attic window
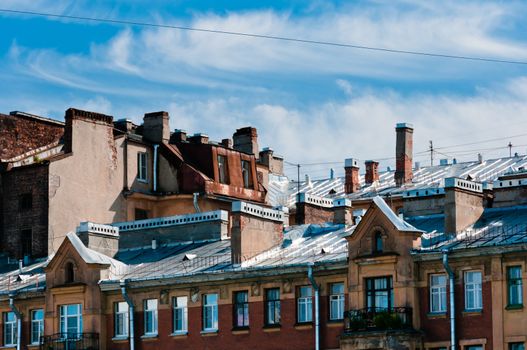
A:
{"x":377,"y":242}
{"x":69,"y":273}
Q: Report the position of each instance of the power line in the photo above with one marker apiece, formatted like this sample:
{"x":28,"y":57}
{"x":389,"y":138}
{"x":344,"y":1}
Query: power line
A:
{"x":271,"y":37}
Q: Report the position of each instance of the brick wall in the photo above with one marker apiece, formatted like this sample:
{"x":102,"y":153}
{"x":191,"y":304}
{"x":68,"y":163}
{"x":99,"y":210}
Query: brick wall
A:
{"x":312,"y":214}
{"x":19,"y":134}
{"x":15,"y":183}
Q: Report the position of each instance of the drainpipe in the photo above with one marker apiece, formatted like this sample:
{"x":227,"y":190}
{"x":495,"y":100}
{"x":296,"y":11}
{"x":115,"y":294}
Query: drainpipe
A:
{"x":155,"y":167}
{"x":130,"y":312}
{"x":451,"y":277}
{"x":18,"y":320}
{"x":317,"y":313}
{"x":195,"y":196}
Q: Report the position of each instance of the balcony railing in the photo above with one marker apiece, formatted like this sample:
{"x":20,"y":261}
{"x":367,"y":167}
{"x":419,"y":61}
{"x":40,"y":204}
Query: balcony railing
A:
{"x":374,"y":319}
{"x":70,"y":341}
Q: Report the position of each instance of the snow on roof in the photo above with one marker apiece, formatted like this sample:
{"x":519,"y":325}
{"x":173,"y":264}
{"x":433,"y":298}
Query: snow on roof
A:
{"x":399,"y":223}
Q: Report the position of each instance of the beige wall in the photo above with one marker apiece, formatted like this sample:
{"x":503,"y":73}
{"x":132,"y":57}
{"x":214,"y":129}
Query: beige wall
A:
{"x":133,"y":183}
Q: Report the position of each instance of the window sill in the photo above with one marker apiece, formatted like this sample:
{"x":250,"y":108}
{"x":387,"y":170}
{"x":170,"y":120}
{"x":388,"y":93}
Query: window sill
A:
{"x":182,"y":334}
{"x":272,"y":328}
{"x":335,"y":323}
{"x":33,"y":346}
{"x":120,"y":339}
{"x":149,"y":337}
{"x":514,"y":307}
{"x":8,"y":347}
{"x":209,"y":333}
{"x":240,"y":330}
{"x":303,"y":326}
{"x":142,"y":181}
{"x":475,"y":312}
{"x":436,"y":315}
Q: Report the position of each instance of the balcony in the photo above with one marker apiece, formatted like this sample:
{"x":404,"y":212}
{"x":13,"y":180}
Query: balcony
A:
{"x":70,"y":341}
{"x":378,"y":319}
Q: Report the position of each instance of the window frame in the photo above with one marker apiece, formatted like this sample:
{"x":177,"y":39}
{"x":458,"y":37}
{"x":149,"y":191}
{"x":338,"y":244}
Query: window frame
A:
{"x":372,"y":292}
{"x":223,"y":169}
{"x":272,"y":307}
{"x":378,"y":243}
{"x":304,"y":302}
{"x":182,"y":312}
{"x":153,"y":329}
{"x":246,"y":174}
{"x":13,"y":326}
{"x":121,"y":316}
{"x":39,"y":324}
{"x":475,"y":289}
{"x":142,"y":167}
{"x":337,"y":299}
{"x":441,"y":290}
{"x":516,"y":346}
{"x":518,"y":282}
{"x":241,"y":306}
{"x":64,"y":316}
{"x":210,"y":308}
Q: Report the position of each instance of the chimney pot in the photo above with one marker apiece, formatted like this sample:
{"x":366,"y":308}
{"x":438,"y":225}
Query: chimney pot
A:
{"x":351,"y":169}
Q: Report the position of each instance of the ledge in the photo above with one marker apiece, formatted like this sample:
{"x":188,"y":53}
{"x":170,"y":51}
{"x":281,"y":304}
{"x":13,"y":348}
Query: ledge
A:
{"x":210,"y":333}
{"x":179,"y":335}
{"x":237,"y":331}
{"x":335,"y":324}
{"x":436,"y":315}
{"x":148,"y":337}
{"x":272,"y":328}
{"x":472,"y":312}
{"x":120,"y":339}
{"x":514,"y":307}
{"x":304,"y":326}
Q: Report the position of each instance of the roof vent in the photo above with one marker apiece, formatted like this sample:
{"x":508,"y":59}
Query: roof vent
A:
{"x":417,"y":165}
{"x":188,"y":257}
{"x":443,"y":161}
{"x":480,"y":158}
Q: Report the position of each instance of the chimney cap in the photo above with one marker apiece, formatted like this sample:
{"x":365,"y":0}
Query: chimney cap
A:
{"x":267,"y":149}
{"x":370,"y":161}
{"x":404,"y":126}
{"x":156,"y":114}
{"x":351,"y":162}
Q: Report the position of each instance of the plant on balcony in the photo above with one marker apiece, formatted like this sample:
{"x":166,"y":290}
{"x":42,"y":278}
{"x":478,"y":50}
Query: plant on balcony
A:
{"x":386,"y":320}
{"x":357,"y":323}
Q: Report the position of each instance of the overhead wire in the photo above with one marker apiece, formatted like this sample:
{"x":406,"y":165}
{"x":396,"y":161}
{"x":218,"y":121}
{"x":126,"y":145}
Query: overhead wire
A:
{"x":266,"y":36}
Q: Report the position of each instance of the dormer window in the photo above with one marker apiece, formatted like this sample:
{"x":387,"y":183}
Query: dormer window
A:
{"x":377,"y":242}
{"x":223,"y":174}
{"x":246,"y":174}
{"x":69,"y":273}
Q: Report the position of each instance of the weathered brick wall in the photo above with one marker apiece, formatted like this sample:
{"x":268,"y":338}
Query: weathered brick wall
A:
{"x":19,"y":134}
{"x":312,"y":214}
{"x":31,"y":179}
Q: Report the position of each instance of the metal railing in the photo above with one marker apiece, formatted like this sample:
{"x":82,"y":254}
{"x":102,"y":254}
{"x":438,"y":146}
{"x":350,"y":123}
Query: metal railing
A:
{"x":373,"y":319}
{"x":70,"y":341}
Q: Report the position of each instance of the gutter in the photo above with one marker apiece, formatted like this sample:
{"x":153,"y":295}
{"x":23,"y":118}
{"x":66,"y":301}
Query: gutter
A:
{"x":155,"y":167}
{"x":18,"y":320}
{"x":130,"y":313}
{"x":317,"y":313}
{"x":451,"y":277}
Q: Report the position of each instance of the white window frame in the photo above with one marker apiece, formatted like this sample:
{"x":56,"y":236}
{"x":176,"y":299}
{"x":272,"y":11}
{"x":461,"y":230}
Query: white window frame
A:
{"x":473,"y":291}
{"x":440,"y":291}
{"x":336,"y":301}
{"x":12,"y":326}
{"x":121,"y":321}
{"x":150,"y":311}
{"x":180,"y":311}
{"x":305,"y":304}
{"x":246,"y":173}
{"x":223,"y":169}
{"x":210,"y":312}
{"x":272,"y":308}
{"x":37,"y":325}
{"x":65,"y":315}
{"x":142,"y":166}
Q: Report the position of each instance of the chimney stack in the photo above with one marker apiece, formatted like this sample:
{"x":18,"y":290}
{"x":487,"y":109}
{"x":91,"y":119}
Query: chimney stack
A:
{"x":101,"y":238}
{"x":227,"y":143}
{"x":403,"y":153}
{"x":351,"y":169}
{"x":246,"y":140}
{"x":372,"y":173}
{"x":156,"y":127}
{"x":342,"y":211}
{"x":199,"y":138}
{"x":463,"y":204}
{"x":178,"y":136}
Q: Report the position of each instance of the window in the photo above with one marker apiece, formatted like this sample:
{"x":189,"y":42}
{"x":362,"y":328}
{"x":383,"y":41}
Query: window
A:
{"x":223,"y":173}
{"x":27,"y":240}
{"x":210,"y":312}
{"x":438,"y":293}
{"x":37,"y":325}
{"x":377,"y":242}
{"x":140,"y":214}
{"x":142,"y":166}
{"x":180,"y":314}
{"x":516,"y":346}
{"x":10,"y":330}
{"x":121,"y":319}
{"x":304,"y":304}
{"x":474,"y":347}
{"x":473,"y":297}
{"x":25,"y":202}
{"x":241,"y":309}
{"x":70,"y":320}
{"x":246,"y":174}
{"x":379,"y":293}
{"x":272,"y":306}
{"x":150,"y":317}
{"x":514,"y":283}
{"x":69,"y":273}
{"x":336,"y":301}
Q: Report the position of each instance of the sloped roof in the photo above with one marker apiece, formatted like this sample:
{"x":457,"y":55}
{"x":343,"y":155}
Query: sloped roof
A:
{"x":399,"y":223}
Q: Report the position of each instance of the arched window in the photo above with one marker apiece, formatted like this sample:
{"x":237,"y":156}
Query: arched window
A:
{"x":377,"y":242}
{"x":69,"y":273}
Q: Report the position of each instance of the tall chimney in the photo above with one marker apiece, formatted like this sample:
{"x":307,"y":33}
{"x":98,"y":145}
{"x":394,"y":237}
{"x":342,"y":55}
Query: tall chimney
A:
{"x":351,"y":169}
{"x":372,"y":173}
{"x":463,"y":204}
{"x":156,"y":127}
{"x":246,"y":140}
{"x":403,"y":153}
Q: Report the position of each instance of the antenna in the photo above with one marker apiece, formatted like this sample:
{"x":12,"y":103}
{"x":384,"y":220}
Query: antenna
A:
{"x":431,"y":153}
{"x":510,"y":149}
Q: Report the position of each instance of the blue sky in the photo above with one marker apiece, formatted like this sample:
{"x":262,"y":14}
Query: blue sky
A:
{"x":310,"y":103}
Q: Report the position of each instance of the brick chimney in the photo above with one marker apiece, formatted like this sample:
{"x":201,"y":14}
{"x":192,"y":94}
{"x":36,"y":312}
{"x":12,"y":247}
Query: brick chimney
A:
{"x":372,"y":173}
{"x":101,"y":238}
{"x":255,"y":229}
{"x":342,"y":211}
{"x":351,"y":169}
{"x":403,"y":153}
{"x":311,"y":209}
{"x":246,"y":140}
{"x":463,"y":204}
{"x":227,"y":143}
{"x":199,"y":138}
{"x":178,"y":136}
{"x":71,"y":130}
{"x":156,"y":127}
